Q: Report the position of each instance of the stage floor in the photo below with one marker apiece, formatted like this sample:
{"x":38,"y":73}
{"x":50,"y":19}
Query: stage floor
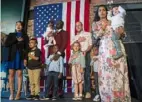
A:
{"x":67,"y":98}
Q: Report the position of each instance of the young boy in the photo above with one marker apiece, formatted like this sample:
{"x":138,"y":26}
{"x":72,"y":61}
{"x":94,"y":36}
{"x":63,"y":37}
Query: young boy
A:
{"x":33,"y":64}
{"x":55,"y":70}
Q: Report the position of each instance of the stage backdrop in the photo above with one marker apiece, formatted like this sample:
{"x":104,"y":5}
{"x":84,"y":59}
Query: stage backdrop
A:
{"x":11,"y":11}
{"x":69,"y":12}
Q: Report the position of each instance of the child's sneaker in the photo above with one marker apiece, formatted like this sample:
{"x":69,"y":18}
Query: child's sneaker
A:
{"x":88,"y":95}
{"x":97,"y":98}
{"x":45,"y":98}
{"x":75,"y":98}
{"x":36,"y":97}
{"x":31,"y":97}
{"x":80,"y":97}
{"x":54,"y":98}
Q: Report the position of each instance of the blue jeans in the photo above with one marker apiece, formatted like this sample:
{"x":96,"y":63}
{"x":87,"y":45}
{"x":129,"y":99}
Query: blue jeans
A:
{"x":52,"y":76}
{"x":87,"y":81}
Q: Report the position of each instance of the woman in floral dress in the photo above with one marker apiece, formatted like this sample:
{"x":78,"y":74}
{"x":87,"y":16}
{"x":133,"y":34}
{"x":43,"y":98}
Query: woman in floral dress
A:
{"x":113,"y":74}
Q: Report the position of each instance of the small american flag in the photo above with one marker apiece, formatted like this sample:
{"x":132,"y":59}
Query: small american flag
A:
{"x":69,"y":13}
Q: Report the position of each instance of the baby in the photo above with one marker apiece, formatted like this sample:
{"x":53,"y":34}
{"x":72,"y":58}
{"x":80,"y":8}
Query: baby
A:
{"x":48,"y":36}
{"x":117,"y":16}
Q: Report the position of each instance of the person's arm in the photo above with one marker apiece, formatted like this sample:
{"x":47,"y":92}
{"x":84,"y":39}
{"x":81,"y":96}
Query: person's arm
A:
{"x":11,"y":39}
{"x":64,"y":42}
{"x":122,"y":11}
{"x":26,"y":46}
{"x":54,"y":42}
{"x":109,"y":15}
{"x":82,"y":61}
{"x":90,"y":43}
{"x":97,"y":33}
{"x":61,"y":67}
{"x":49,"y":59}
{"x":120,"y":31}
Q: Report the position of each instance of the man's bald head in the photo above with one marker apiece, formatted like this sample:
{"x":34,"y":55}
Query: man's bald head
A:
{"x":79,"y":26}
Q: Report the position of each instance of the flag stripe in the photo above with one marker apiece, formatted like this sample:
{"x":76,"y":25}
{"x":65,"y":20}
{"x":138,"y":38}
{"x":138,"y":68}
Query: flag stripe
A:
{"x":73,"y":9}
{"x":73,"y":20}
{"x":64,"y":16}
{"x":77,"y":12}
{"x":68,"y":47}
{"x":64,"y":13}
{"x":42,"y":50}
{"x":86,"y":14}
{"x":39,"y":43}
{"x":82,"y":3}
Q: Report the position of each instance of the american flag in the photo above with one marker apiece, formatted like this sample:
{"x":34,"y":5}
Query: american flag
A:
{"x":69,"y":13}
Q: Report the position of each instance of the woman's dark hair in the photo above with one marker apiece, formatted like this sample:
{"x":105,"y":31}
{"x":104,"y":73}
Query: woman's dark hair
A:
{"x":97,"y":18}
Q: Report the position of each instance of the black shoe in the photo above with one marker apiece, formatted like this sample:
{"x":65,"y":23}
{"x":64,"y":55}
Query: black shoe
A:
{"x":45,"y":98}
{"x":31,"y":97}
{"x":36,"y":97}
{"x":54,"y":98}
{"x":61,"y":96}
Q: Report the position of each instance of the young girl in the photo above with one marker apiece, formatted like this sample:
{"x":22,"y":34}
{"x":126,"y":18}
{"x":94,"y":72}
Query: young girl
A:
{"x":49,"y":38}
{"x":78,"y":64}
{"x":94,"y":64}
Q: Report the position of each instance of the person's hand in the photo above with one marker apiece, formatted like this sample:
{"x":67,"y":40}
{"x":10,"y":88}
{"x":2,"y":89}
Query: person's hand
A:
{"x":95,"y":59}
{"x":19,"y":38}
{"x":74,"y":56}
{"x":115,"y":64}
{"x":25,"y":63}
{"x":30,"y":55}
{"x":96,"y":28}
{"x":104,"y":25}
{"x":120,"y":31}
{"x":81,"y":70}
{"x":81,"y":39}
{"x":60,"y":75}
{"x":84,"y":53}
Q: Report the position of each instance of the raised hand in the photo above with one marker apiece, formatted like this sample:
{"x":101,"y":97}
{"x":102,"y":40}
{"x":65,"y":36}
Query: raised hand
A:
{"x":81,"y":39}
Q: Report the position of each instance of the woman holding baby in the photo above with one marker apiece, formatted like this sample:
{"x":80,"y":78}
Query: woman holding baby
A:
{"x":112,"y":72}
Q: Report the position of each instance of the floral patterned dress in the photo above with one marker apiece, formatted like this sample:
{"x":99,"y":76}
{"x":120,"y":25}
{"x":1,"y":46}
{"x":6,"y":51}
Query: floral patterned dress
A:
{"x":113,"y":74}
